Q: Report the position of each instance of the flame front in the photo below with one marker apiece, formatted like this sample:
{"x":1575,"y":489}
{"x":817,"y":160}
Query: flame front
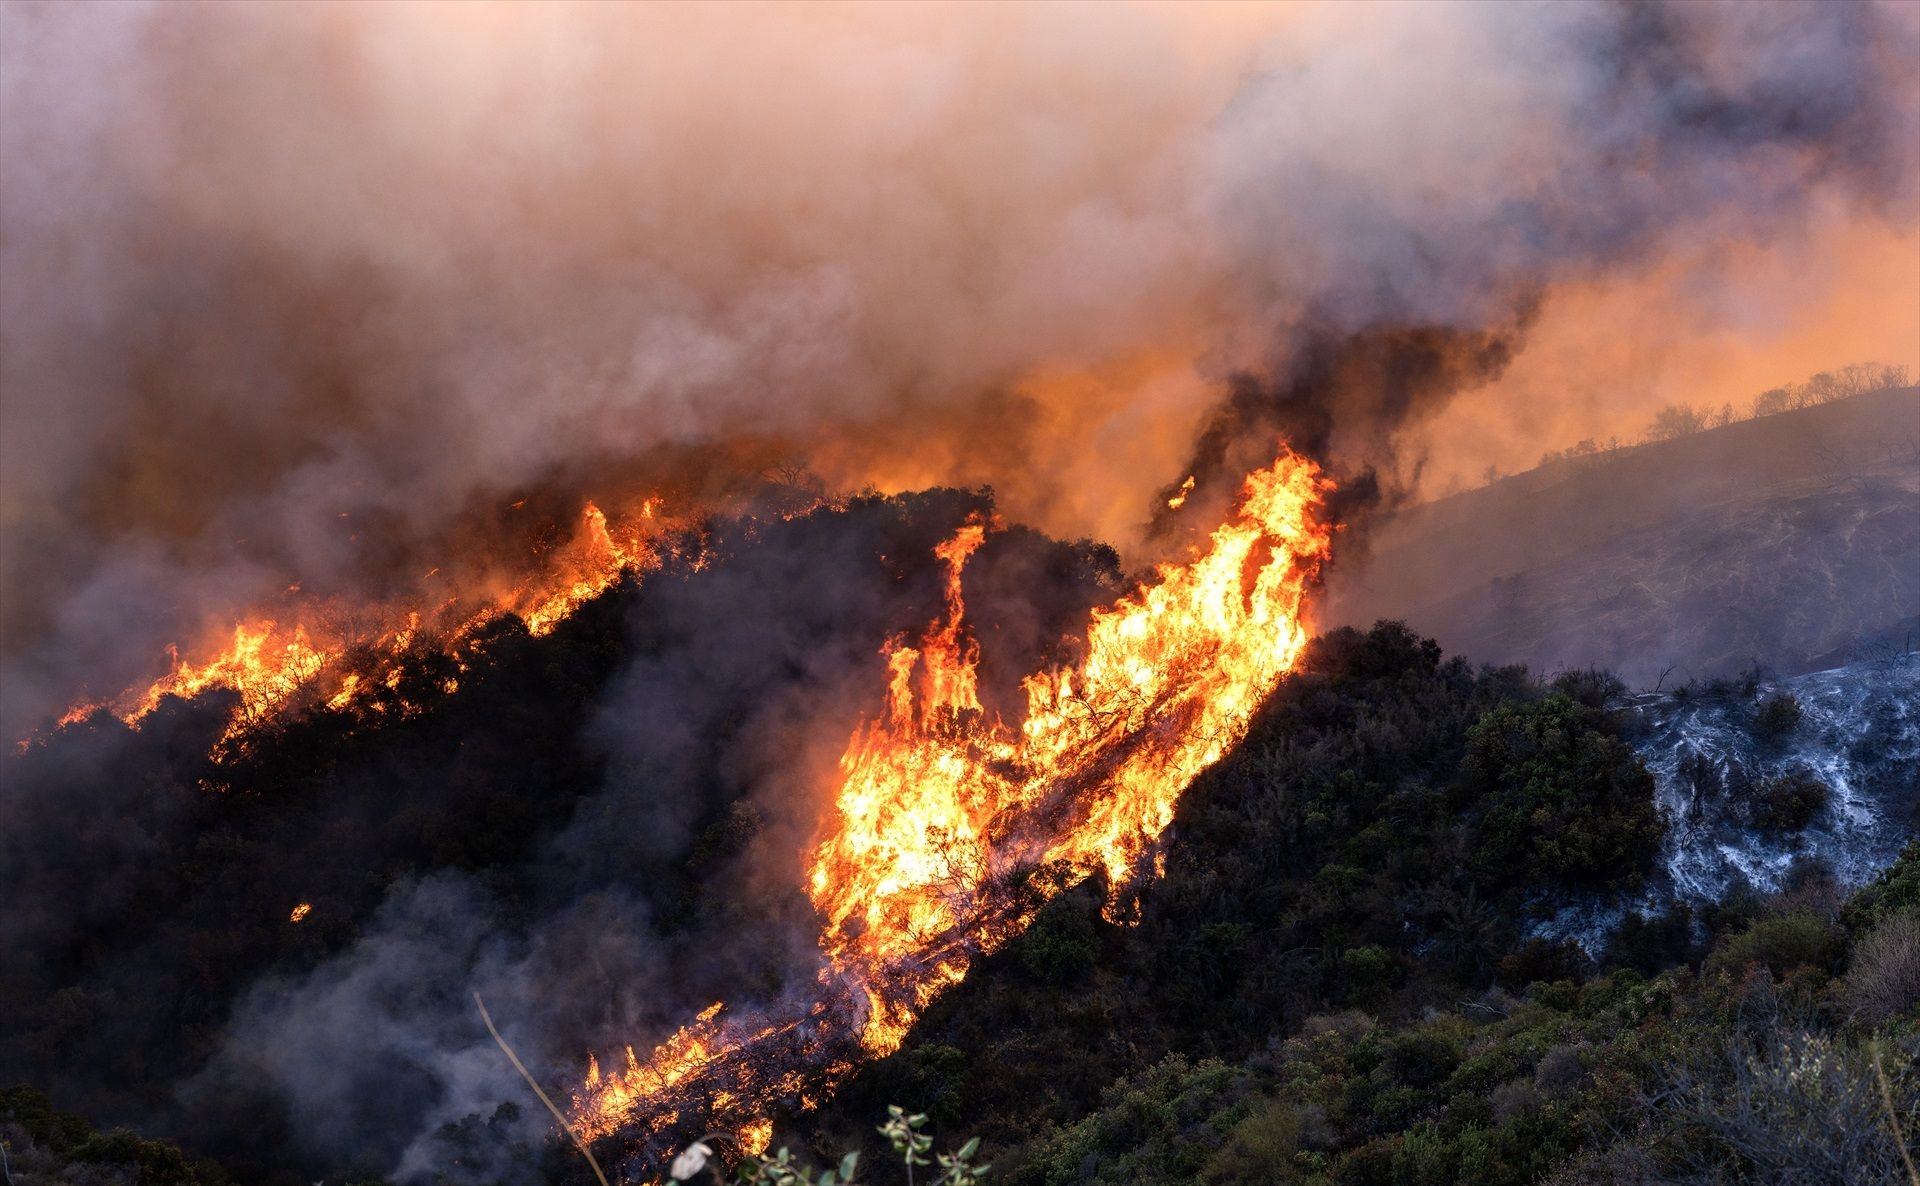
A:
{"x":950,"y":830}
{"x":275,"y":662}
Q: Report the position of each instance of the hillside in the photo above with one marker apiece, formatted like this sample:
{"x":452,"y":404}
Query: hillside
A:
{"x":1339,"y":979}
{"x":1336,"y":980}
{"x":1788,"y":541}
{"x":1344,"y":973}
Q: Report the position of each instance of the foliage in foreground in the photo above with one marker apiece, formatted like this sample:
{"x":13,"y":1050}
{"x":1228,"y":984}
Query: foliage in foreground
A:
{"x":911,"y":1147}
{"x":44,"y":1147}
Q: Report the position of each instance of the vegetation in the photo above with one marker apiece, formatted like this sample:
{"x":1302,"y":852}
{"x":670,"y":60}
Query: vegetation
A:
{"x":1787,"y":802}
{"x":1758,"y":1059}
{"x":911,"y":1148}
{"x":1332,"y":985}
{"x":1679,"y":420}
{"x":1350,"y":971}
{"x":1779,"y":716}
{"x":45,"y":1147}
{"x":1682,"y":420}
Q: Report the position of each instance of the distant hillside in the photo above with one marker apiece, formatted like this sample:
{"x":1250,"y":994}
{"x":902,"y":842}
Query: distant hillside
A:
{"x":1790,"y":541}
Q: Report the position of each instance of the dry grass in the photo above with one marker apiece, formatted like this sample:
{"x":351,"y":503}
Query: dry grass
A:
{"x":521,"y":1067}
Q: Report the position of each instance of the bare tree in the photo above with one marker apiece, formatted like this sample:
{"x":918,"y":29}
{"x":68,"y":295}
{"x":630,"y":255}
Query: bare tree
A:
{"x":1788,"y":1106}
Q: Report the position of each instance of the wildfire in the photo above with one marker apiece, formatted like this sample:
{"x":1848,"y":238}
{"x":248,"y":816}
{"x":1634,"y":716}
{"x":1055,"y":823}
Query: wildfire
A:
{"x":950,"y":830}
{"x":276,"y":663}
{"x":1180,"y":498}
{"x":300,"y":912}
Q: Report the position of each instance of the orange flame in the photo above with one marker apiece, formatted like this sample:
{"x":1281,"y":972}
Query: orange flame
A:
{"x":943,"y":818}
{"x":275,"y":666}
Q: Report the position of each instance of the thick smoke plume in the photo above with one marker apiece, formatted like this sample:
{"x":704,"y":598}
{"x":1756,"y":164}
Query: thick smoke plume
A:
{"x":293,"y":294}
{"x":268,"y":266}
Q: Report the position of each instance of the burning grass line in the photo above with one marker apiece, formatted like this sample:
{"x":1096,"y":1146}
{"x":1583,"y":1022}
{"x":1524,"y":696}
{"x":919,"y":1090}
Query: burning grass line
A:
{"x":521,"y":1067}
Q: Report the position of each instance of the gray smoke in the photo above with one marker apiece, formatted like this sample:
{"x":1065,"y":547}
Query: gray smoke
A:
{"x":265,"y":267}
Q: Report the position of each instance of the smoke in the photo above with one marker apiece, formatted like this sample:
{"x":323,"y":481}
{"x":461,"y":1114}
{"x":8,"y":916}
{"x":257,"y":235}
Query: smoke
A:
{"x":266,"y":266}
{"x":287,"y":292}
{"x":603,"y":834}
{"x":1422,"y":230}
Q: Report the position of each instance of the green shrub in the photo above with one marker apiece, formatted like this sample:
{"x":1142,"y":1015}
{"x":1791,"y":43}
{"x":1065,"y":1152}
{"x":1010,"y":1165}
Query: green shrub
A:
{"x":1560,"y":995}
{"x":1799,"y":939}
{"x":1425,"y":1156}
{"x":1062,"y":945}
{"x":71,"y":1150}
{"x":1369,"y":1165}
{"x":1779,"y":715}
{"x":1896,"y":889}
{"x":1787,"y":802}
{"x":1562,"y":798}
{"x":1421,"y":1059}
{"x":1369,"y":972}
{"x":1259,"y":1150}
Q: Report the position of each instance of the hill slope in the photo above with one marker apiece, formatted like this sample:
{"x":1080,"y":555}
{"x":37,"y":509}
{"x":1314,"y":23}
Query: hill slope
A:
{"x":1786,"y":542}
{"x":598,"y":830}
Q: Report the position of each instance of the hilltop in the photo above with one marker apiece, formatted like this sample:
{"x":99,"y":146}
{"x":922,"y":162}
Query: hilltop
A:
{"x":1787,"y":542}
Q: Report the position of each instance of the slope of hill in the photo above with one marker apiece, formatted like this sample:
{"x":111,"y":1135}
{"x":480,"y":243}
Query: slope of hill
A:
{"x":1338,"y":978}
{"x":1789,"y":542}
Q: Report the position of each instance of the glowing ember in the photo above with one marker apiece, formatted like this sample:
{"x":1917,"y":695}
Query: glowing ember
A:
{"x":950,"y":830}
{"x":300,"y":912}
{"x":1180,"y":499}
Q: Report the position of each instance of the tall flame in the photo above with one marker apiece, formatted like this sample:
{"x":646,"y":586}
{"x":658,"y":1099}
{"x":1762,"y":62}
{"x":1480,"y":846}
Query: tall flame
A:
{"x":950,"y":830}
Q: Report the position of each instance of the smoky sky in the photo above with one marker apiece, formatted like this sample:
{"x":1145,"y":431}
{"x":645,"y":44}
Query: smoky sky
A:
{"x":266,"y":265}
{"x":267,"y":270}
